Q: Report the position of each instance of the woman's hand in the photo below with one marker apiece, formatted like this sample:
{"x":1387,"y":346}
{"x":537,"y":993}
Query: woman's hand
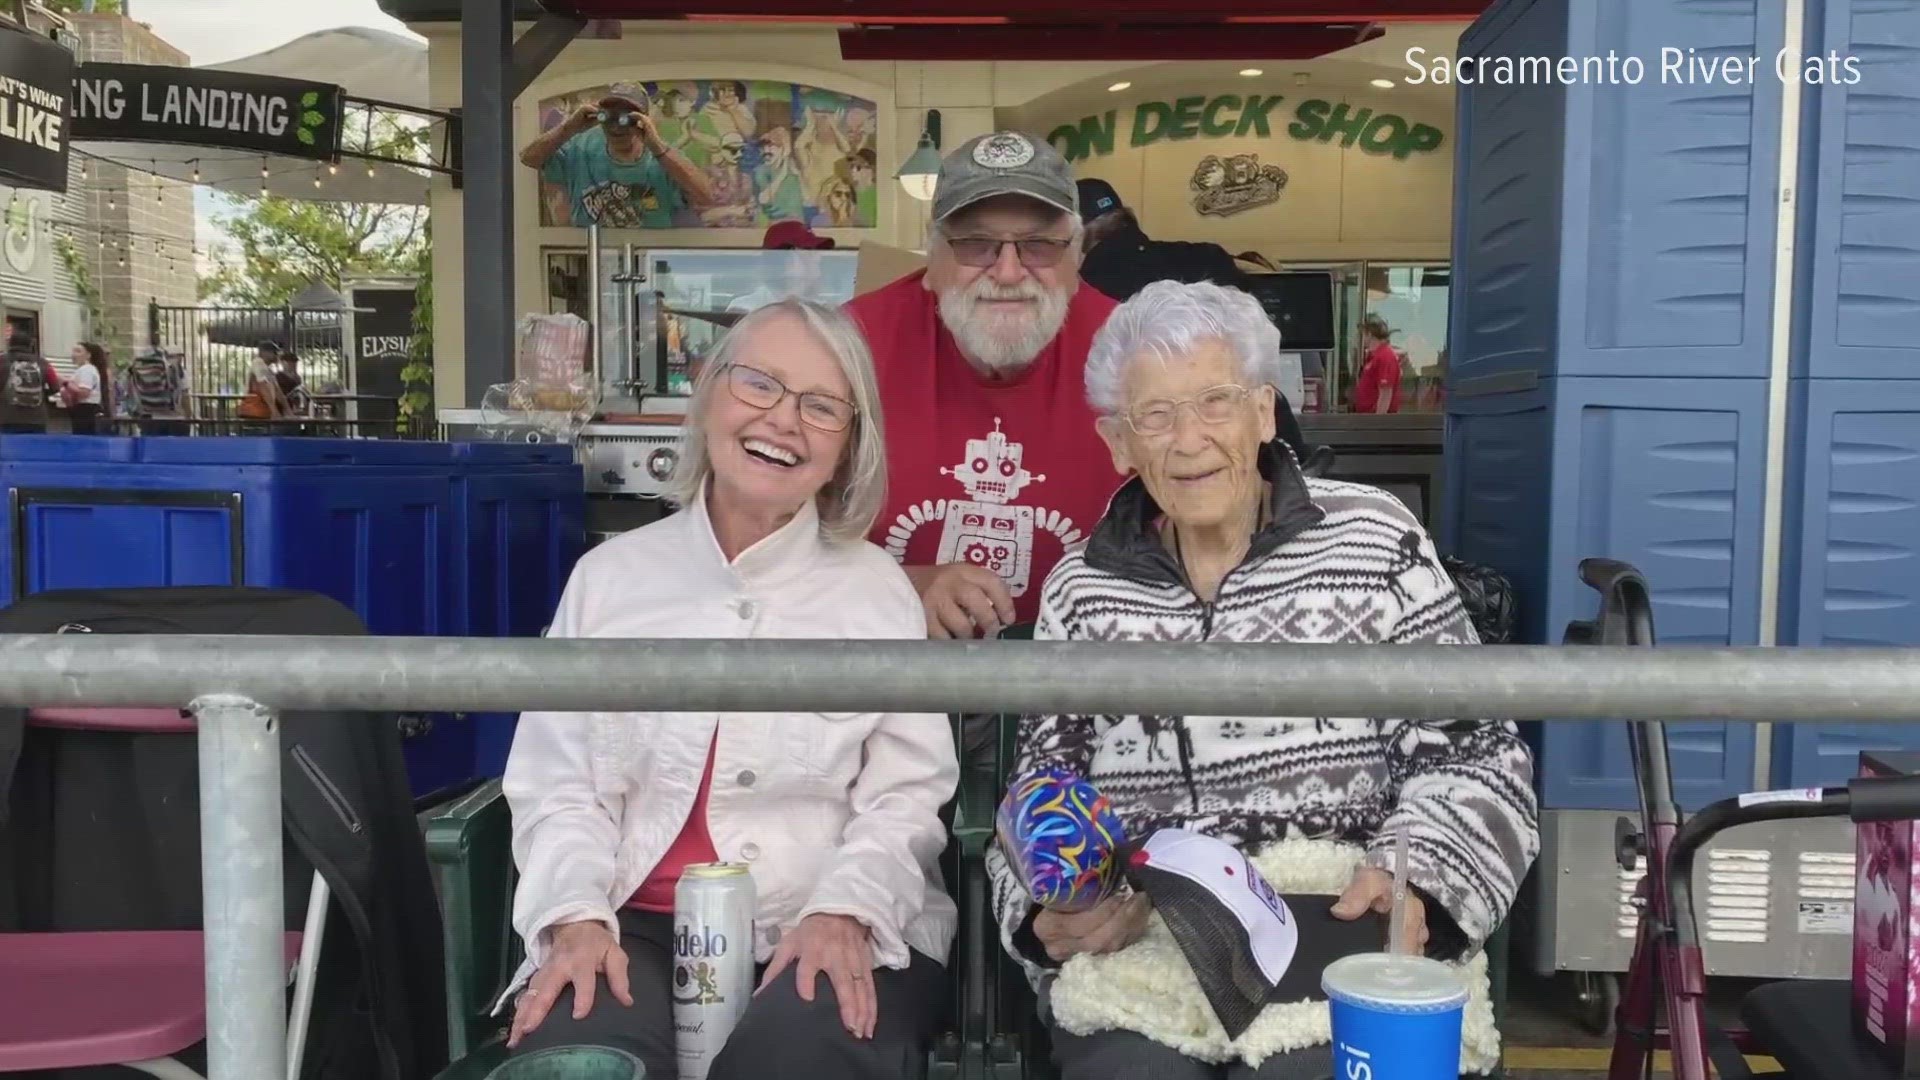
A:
{"x":843,"y":948}
{"x":581,"y":952}
{"x":1109,"y":926}
{"x":1372,"y":890}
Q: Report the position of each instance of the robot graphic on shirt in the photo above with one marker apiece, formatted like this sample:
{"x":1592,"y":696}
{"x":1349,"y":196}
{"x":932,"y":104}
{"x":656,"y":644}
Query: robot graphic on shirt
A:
{"x":985,"y":529}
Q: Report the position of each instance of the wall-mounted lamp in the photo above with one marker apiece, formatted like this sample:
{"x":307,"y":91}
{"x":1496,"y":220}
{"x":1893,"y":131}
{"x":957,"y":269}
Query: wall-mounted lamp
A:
{"x":921,"y":171}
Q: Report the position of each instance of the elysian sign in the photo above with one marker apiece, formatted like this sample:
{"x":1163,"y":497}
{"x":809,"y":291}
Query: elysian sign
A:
{"x":1237,"y":116}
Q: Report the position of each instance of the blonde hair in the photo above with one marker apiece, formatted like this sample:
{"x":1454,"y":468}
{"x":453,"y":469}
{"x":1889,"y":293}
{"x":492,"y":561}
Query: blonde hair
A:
{"x":850,"y":502}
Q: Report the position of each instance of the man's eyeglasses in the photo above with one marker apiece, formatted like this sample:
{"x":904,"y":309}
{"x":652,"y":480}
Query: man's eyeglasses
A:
{"x":754,"y":387}
{"x":1214,"y":405}
{"x":1035,"y":252}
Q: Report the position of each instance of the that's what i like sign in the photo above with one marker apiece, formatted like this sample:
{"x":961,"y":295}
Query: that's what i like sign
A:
{"x":36,"y":76}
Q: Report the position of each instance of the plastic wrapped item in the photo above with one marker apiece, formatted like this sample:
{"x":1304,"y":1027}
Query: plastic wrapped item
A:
{"x":1062,"y":839}
{"x":526,"y":411}
{"x":552,"y":350}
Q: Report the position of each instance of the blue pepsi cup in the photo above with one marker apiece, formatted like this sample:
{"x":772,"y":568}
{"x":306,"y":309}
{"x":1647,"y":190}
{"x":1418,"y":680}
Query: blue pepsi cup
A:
{"x":1394,"y":1017}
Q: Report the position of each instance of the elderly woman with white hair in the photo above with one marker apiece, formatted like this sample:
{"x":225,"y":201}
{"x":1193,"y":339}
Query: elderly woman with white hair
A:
{"x":1218,"y":536}
{"x":836,"y":816}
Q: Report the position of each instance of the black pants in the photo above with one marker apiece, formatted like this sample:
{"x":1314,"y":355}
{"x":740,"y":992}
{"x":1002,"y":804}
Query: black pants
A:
{"x":1127,"y":1055}
{"x":780,"y":1035}
{"x":85,"y":419}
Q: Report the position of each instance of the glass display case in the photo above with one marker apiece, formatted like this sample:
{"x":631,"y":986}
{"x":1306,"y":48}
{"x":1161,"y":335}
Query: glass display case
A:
{"x":658,"y":312}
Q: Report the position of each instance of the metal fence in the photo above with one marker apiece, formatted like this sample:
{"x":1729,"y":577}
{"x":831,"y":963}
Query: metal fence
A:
{"x":218,"y":343}
{"x":235,"y":685}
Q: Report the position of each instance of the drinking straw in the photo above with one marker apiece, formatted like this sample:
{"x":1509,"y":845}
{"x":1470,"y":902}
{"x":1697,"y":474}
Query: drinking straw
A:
{"x":1396,"y":932}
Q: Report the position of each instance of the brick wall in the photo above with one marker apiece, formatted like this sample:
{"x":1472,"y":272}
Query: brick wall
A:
{"x":146,"y":220}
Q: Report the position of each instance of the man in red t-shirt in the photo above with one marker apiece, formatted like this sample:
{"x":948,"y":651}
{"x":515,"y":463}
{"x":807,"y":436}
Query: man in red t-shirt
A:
{"x":994,"y":465}
{"x":1378,"y":388}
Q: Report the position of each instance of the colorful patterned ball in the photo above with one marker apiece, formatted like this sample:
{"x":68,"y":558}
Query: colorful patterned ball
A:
{"x":1062,"y":839}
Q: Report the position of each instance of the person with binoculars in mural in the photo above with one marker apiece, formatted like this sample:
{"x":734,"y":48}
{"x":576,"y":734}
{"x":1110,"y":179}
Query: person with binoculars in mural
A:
{"x":615,"y":169}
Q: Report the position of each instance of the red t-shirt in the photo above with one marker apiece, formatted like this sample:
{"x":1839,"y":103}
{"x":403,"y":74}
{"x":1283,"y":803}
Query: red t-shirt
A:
{"x":1381,"y":371}
{"x":693,"y":845}
{"x":1004,"y":474}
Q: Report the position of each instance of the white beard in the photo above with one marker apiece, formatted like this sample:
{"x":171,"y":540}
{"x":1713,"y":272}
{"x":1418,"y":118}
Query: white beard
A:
{"x":1003,"y":342}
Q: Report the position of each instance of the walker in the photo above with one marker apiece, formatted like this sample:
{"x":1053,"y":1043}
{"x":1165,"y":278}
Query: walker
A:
{"x":1667,"y":976}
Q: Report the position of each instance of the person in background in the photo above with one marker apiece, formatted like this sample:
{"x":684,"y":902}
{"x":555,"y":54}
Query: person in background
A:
{"x":85,"y":393}
{"x":1217,"y":535}
{"x":1121,"y":260}
{"x":264,"y":402}
{"x":800,"y":274}
{"x":154,"y":394}
{"x":782,"y":469}
{"x":996,"y":467}
{"x":23,"y":400}
{"x":1377,"y":390}
{"x":292,"y":387}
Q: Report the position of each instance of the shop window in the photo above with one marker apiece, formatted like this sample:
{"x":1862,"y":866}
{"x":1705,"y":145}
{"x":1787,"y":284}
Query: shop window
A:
{"x":1411,"y":300}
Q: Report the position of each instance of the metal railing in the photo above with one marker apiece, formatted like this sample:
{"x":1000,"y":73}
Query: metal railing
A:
{"x":236,"y":685}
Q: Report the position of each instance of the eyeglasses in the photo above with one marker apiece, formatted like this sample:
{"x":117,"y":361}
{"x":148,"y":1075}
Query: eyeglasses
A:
{"x":751,"y":386}
{"x":1036,"y":252}
{"x":1214,"y":405}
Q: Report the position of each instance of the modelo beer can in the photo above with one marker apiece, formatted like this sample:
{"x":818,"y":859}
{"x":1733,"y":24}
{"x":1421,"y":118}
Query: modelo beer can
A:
{"x":712,"y":961}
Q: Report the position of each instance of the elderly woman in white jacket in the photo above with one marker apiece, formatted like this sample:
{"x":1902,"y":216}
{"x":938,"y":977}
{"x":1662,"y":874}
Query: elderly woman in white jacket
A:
{"x":835,"y":815}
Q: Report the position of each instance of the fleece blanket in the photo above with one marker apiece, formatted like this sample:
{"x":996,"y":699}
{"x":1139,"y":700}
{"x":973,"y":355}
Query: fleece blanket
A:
{"x":1149,"y":988}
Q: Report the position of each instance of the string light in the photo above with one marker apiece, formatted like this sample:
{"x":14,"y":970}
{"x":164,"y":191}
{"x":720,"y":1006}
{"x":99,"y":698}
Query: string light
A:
{"x":196,"y":170}
{"x":333,"y":170}
{"x":316,"y":183}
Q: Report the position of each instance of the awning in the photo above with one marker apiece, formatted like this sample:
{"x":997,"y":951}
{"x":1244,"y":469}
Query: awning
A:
{"x":1071,"y":12}
{"x":370,"y":65}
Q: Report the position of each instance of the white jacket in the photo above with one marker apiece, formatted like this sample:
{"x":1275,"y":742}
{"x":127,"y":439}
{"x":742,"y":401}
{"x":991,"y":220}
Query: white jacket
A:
{"x":834,"y":813}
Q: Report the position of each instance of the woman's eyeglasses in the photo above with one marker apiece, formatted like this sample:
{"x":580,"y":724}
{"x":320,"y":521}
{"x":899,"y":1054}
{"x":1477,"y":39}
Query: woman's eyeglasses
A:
{"x":751,"y":386}
{"x":1214,"y":405}
{"x":1035,"y":252}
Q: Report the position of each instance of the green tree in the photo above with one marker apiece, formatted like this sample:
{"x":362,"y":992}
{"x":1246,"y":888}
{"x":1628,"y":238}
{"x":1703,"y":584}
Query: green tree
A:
{"x":276,"y":246}
{"x":100,"y":7}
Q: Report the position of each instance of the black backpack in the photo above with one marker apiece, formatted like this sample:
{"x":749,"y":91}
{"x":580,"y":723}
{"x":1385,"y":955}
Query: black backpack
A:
{"x":1488,"y":596}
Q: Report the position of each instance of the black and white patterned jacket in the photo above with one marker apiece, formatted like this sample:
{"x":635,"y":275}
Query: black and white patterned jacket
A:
{"x":1338,"y":563}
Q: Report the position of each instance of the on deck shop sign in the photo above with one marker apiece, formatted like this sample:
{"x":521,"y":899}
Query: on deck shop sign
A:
{"x":1260,"y":116}
{"x":38,"y":73}
{"x":196,"y":107}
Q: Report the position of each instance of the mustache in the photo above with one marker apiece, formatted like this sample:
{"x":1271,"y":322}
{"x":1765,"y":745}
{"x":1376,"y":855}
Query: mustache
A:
{"x":986,"y":289}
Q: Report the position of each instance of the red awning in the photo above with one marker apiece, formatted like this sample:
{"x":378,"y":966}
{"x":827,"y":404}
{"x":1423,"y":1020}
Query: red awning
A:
{"x":1058,"y":12}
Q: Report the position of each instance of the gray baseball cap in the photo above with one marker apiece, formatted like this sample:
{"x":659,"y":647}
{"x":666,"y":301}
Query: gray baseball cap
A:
{"x":1004,"y":163}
